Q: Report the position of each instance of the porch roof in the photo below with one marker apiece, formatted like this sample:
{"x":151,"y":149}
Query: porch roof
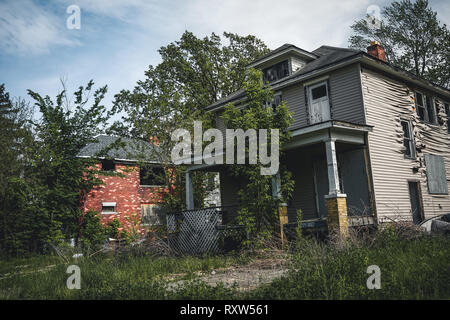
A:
{"x":341,"y":131}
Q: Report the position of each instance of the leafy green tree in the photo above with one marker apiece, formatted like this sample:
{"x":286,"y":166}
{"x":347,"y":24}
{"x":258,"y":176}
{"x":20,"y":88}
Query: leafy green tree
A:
{"x":45,"y":184}
{"x":193,"y":74}
{"x":413,"y":37}
{"x":258,"y":210}
{"x":60,"y":178}
{"x":15,"y":141}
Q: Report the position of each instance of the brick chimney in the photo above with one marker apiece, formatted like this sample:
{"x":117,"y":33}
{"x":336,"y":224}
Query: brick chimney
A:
{"x":376,"y":50}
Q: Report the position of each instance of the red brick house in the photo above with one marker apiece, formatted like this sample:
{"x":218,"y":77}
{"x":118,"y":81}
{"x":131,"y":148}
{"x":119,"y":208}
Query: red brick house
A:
{"x":133,"y":198}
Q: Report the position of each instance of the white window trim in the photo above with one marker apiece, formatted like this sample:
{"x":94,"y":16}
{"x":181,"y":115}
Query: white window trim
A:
{"x":309,"y":89}
{"x":411,"y":139}
{"x":316,"y":81}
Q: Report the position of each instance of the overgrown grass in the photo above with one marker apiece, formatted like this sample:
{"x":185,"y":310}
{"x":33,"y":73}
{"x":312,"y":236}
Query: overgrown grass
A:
{"x":411,"y":268}
{"x":116,"y":277}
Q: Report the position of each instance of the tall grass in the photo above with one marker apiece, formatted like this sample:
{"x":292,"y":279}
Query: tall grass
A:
{"x":413,"y":266}
{"x":116,"y":277}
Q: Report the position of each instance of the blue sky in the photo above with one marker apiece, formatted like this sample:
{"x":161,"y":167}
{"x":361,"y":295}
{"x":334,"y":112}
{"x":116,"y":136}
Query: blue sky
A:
{"x":119,"y":39}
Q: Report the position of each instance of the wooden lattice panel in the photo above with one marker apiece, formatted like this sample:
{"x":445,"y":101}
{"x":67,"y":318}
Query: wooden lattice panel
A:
{"x":194,"y":231}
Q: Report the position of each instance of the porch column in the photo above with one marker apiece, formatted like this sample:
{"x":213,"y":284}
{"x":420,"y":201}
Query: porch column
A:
{"x":282,"y":209}
{"x":333,"y":174}
{"x":189,"y":191}
{"x":335,"y":201}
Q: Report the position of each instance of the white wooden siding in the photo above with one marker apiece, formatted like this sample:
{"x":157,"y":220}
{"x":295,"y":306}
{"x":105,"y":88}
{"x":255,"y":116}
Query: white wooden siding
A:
{"x":386,"y":102}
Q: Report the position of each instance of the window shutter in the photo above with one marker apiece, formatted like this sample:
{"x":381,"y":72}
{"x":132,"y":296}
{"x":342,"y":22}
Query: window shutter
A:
{"x":436,"y":176}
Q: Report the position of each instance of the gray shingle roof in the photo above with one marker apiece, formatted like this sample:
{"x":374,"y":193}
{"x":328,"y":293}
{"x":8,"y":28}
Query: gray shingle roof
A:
{"x":280,"y":49}
{"x":125,"y":149}
{"x":326,"y":56}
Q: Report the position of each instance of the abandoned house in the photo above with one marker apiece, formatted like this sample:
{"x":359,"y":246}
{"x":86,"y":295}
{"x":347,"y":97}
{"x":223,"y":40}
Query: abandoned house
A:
{"x":370,"y":142}
{"x":137,"y":194}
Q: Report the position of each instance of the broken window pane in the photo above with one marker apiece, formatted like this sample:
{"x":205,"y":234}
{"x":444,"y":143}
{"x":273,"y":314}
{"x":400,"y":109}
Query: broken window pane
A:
{"x":420,"y":108}
{"x":408,"y":141}
{"x":430,"y":110}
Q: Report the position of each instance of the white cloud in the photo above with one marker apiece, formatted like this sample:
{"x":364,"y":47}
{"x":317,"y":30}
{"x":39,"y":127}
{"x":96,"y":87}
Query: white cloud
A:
{"x":27,"y":28}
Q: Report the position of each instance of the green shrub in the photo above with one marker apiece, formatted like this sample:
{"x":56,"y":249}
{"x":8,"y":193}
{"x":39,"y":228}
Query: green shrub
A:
{"x":93,"y":233}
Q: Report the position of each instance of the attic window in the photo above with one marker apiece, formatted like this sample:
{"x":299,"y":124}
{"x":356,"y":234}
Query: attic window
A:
{"x":276,"y":72}
{"x":108,"y":165}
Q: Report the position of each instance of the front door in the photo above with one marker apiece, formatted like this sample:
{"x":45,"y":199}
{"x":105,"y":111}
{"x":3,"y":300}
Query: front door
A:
{"x":416,"y":207}
{"x":319,"y":110}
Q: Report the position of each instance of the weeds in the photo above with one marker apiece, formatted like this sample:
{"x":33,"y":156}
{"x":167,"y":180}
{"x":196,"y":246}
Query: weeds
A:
{"x":413,"y":266}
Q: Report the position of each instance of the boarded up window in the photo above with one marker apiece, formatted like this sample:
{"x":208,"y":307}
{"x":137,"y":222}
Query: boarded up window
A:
{"x":152,"y":214}
{"x":437,"y":181}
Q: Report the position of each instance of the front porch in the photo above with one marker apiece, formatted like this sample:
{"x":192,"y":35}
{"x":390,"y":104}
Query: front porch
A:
{"x":330,"y":166}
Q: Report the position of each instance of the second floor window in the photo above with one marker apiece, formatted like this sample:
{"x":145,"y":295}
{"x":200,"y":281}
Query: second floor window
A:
{"x":425,"y":108}
{"x":431,"y":111}
{"x":152,"y":176}
{"x":408,"y":140}
{"x":447,"y":112}
{"x":276,"y":72}
{"x":420,"y":106}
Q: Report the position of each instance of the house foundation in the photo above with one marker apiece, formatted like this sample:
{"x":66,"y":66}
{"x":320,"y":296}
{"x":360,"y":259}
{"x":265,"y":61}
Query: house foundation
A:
{"x":337,"y":214}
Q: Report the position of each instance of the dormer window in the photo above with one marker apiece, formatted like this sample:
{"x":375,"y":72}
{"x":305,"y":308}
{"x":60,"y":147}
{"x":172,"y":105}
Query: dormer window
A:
{"x":276,"y":72}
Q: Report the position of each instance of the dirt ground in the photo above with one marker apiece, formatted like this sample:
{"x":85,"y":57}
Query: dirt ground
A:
{"x":246,"y":277}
